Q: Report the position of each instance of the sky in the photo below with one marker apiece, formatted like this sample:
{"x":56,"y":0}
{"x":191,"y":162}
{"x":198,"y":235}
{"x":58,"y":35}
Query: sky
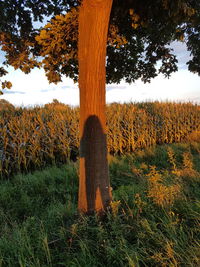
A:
{"x":34,"y":89}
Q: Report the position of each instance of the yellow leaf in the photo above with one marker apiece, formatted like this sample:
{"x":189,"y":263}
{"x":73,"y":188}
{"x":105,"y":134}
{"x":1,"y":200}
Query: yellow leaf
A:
{"x":135,"y":25}
{"x":43,"y":33}
{"x":131,"y":11}
{"x":48,"y":25}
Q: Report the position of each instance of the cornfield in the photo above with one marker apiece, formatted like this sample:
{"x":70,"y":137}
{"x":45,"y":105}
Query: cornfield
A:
{"x":31,"y":138}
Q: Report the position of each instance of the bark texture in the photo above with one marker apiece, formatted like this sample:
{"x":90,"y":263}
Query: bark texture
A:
{"x":94,"y":186}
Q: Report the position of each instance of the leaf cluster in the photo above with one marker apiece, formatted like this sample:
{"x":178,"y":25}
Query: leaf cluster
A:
{"x":58,"y":46}
{"x":18,"y":16}
{"x":4,"y":84}
{"x":150,"y":27}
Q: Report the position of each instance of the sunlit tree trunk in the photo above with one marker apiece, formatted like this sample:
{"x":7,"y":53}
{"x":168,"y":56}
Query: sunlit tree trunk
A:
{"x":94,"y":186}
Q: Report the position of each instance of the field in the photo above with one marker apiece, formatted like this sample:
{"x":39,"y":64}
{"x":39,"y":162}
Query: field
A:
{"x":31,"y":139}
{"x":155,"y":218}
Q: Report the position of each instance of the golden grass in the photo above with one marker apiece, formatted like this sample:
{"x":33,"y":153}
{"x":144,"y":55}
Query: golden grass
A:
{"x":161,"y":194}
{"x":34,"y":138}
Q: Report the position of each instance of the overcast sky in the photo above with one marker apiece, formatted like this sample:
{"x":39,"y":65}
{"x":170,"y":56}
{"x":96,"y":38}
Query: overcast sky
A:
{"x":34,"y":89}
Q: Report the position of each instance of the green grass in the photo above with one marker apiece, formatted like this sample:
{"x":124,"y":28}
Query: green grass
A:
{"x":40,"y":226}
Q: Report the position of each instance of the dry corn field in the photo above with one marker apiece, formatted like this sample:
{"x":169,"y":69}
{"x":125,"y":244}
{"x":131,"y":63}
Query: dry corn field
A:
{"x":31,"y":138}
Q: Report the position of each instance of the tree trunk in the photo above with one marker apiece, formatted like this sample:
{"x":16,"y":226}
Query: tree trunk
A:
{"x":94,"y":186}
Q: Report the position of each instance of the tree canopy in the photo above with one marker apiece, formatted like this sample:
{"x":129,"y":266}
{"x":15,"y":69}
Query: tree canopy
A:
{"x":140,"y":33}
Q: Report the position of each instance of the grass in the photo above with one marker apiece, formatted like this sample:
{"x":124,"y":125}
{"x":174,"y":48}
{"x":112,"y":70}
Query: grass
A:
{"x":155,"y":219}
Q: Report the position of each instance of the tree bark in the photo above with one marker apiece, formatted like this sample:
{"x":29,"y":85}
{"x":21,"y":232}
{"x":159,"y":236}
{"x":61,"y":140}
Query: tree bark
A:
{"x":94,"y":186}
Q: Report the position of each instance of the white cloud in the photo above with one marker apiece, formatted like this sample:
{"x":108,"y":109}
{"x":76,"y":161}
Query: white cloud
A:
{"x":182,"y":86}
{"x":34,"y":89}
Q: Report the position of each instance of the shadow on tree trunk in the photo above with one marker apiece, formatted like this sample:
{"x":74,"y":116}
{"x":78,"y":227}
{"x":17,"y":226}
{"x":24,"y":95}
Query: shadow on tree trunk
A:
{"x":93,"y":152}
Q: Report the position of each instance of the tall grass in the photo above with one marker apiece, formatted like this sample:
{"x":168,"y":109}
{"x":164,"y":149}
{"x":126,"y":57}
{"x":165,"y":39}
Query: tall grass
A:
{"x":42,"y":136}
{"x":40,"y":226}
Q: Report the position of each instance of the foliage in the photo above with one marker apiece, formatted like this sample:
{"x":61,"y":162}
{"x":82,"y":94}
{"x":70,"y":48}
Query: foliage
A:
{"x":17,"y":17}
{"x":17,"y":30}
{"x":40,"y":226}
{"x":58,"y":45}
{"x":58,"y":41}
{"x":161,"y":194}
{"x":139,"y":36}
{"x":5,"y":105}
{"x":41,"y":136}
{"x":4,"y":84}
